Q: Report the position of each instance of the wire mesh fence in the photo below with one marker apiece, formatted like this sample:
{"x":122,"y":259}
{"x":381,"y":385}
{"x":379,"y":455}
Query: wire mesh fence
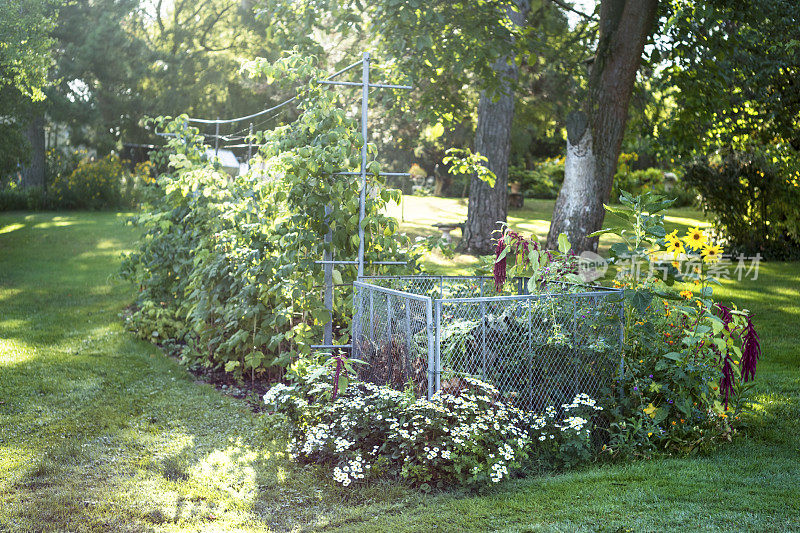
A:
{"x":539,"y":349}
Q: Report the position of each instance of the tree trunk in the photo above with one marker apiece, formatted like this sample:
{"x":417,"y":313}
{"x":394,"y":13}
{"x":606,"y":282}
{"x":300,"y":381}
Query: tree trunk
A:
{"x":594,"y":135}
{"x":33,"y":173}
{"x":488,"y":205}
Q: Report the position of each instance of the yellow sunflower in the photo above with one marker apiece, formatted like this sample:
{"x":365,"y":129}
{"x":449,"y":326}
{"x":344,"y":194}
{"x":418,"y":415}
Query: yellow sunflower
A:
{"x":676,"y":247}
{"x":686,"y":294}
{"x":711,"y":254}
{"x":695,"y":238}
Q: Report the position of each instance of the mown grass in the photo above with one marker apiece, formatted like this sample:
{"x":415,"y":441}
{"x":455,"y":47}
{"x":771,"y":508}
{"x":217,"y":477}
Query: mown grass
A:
{"x":418,"y":214}
{"x":100,"y":432}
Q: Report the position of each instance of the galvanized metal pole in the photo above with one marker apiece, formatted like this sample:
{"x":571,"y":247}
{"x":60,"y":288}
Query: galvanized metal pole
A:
{"x":363,"y":196}
{"x":437,"y":352}
{"x":328,"y":268}
{"x":250,"y":145}
{"x":430,"y":329}
{"x":216,"y":141}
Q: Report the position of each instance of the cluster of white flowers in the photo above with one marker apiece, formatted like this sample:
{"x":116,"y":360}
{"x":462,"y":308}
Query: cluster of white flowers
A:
{"x":506,"y":451}
{"x":315,"y":438}
{"x":291,"y":449}
{"x":572,"y":422}
{"x":341,"y":444}
{"x":582,"y":399}
{"x":352,"y":471}
{"x":277,"y":393}
{"x":351,"y":425}
{"x":498,"y":470}
{"x":431,"y":453}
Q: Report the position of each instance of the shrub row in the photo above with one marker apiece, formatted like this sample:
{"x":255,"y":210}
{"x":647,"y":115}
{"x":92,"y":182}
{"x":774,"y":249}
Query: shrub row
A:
{"x":75,"y":181}
{"x":227,"y":266}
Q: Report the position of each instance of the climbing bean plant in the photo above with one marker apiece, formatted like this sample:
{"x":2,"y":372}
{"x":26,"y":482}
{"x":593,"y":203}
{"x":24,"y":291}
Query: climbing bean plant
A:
{"x":226,"y":265}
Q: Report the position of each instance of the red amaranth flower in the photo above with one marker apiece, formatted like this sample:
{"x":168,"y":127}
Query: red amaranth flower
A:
{"x":726,"y":383}
{"x":499,"y":266}
{"x":725,"y":314}
{"x":339,"y":365}
{"x":751,"y":351}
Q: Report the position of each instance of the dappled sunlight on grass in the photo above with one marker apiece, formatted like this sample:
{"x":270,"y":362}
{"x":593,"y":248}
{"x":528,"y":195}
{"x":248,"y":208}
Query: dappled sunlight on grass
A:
{"x":420,"y":213}
{"x":11,"y":227}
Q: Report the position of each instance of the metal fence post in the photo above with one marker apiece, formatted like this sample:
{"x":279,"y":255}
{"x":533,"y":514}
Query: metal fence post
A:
{"x":438,"y":347}
{"x":355,"y":335}
{"x":216,"y":140}
{"x":363,"y":194}
{"x":409,"y":337}
{"x":372,"y":314}
{"x":328,"y":269}
{"x":483,"y":339}
{"x":431,"y":346}
{"x":389,"y":316}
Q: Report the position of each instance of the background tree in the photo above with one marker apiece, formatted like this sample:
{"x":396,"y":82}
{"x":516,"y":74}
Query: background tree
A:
{"x":25,"y":27}
{"x":595,"y":131}
{"x":488,"y":204}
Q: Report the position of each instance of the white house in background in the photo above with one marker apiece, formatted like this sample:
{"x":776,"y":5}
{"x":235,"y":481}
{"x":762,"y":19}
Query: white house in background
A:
{"x":226,"y":158}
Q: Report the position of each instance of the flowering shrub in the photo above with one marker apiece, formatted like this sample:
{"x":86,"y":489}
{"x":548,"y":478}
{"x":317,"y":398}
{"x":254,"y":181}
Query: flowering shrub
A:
{"x":94,"y":184}
{"x":754,"y":197}
{"x":679,"y":391}
{"x":468,"y":437}
{"x":528,"y":259}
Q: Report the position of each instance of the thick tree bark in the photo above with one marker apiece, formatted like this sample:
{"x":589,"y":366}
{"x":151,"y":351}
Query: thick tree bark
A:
{"x":488,"y":205}
{"x":594,"y":134}
{"x":34,"y":171}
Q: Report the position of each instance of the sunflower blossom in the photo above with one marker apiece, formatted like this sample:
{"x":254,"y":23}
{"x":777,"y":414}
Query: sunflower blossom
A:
{"x":711,"y":254}
{"x":695,"y":238}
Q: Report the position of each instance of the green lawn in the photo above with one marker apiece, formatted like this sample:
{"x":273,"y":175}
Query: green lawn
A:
{"x":419,"y":213}
{"x":100,"y":432}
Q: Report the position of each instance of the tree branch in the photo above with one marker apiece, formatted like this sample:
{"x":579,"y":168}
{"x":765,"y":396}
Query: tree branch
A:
{"x":572,"y":9}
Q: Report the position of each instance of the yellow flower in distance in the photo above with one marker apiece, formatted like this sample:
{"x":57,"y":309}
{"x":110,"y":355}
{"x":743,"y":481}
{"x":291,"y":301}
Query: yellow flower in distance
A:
{"x":686,"y":294}
{"x":695,"y":238}
{"x":711,"y":254}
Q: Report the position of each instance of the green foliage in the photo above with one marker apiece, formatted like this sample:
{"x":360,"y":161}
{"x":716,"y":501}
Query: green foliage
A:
{"x":734,"y":65}
{"x":25,"y":27}
{"x":654,"y":180}
{"x":227,"y":265}
{"x":463,"y":162}
{"x":754,"y":198}
{"x":76,"y":181}
{"x":542,"y":181}
{"x":16,"y":198}
{"x":94,"y":184}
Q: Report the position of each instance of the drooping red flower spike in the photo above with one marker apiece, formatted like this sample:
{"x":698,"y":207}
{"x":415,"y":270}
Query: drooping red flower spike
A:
{"x":725,"y":314}
{"x":337,"y":374}
{"x":726,"y":383}
{"x":499,"y":266}
{"x":751,"y":351}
